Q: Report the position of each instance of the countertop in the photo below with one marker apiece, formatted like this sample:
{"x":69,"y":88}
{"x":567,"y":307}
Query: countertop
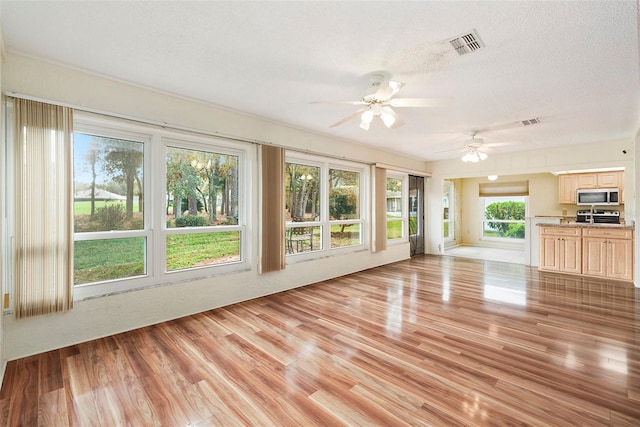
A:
{"x":588,"y":225}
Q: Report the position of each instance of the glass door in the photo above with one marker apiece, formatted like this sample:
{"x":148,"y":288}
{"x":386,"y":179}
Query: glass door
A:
{"x":416,"y":214}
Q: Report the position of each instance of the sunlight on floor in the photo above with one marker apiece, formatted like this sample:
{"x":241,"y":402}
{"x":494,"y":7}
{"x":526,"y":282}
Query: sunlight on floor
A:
{"x":490,"y":254}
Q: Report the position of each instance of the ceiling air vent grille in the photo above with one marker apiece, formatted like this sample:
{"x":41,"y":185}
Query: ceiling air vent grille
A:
{"x":466,"y":43}
{"x":530,"y":122}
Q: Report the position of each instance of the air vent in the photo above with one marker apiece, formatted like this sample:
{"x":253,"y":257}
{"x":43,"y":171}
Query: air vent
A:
{"x":466,"y":43}
{"x":530,"y":122}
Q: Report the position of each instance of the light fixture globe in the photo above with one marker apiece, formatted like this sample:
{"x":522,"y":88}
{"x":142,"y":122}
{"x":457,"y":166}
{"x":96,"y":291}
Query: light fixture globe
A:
{"x":474,"y":155}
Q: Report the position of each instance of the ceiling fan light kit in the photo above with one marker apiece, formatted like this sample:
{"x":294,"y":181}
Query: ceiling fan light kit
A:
{"x":377,"y":101}
{"x":474,"y":155}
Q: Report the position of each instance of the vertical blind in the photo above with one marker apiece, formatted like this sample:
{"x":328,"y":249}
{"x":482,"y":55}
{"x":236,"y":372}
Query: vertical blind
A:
{"x":44,"y":205}
{"x":380,"y":210}
{"x":273,"y":256}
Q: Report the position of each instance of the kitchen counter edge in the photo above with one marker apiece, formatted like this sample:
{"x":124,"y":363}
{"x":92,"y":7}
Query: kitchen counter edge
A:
{"x":587,"y":225}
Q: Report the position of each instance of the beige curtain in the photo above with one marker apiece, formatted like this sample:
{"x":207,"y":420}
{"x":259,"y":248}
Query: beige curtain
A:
{"x":380,"y":210}
{"x":43,"y":269}
{"x":272,"y":257}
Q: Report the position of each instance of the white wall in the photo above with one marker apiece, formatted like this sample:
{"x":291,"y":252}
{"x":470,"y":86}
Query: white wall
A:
{"x":3,"y":242}
{"x":116,"y":313}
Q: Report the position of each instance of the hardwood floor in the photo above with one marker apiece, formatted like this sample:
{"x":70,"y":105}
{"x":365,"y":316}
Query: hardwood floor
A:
{"x":439,"y":341}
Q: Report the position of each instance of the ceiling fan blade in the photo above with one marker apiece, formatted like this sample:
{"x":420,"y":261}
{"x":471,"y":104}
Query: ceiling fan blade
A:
{"x":388,"y":88}
{"x":420,"y":102}
{"x":341,"y":102}
{"x":349,"y":117}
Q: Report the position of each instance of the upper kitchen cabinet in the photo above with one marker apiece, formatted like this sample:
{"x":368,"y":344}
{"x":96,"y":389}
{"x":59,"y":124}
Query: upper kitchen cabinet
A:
{"x":569,"y":183}
{"x":568,"y":187}
{"x":612,"y":179}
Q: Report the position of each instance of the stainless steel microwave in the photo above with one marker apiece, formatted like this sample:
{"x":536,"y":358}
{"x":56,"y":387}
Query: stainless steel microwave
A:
{"x":598,"y":196}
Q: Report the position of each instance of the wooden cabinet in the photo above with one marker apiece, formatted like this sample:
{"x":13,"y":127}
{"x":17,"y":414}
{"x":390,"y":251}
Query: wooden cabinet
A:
{"x":568,"y":187}
{"x":561,"y":249}
{"x":591,"y":251}
{"x":587,"y":180}
{"x":569,"y":183}
{"x":612,"y":179}
{"x":608,"y":253}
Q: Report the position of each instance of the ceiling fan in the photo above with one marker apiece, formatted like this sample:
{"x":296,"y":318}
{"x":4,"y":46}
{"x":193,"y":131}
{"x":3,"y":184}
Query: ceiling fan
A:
{"x":475,"y":149}
{"x":378,"y":100}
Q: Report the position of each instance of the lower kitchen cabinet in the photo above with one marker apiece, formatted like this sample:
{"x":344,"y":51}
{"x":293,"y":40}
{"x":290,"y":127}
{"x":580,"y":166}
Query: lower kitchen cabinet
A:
{"x":560,"y":250}
{"x":608,"y":253}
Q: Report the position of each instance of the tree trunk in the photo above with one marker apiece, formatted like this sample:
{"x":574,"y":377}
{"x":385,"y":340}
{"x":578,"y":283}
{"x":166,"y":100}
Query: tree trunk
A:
{"x":140,"y":195}
{"x":192,"y":204}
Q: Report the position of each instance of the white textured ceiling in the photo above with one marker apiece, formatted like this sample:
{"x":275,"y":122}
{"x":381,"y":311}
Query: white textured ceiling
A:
{"x":572,"y":64}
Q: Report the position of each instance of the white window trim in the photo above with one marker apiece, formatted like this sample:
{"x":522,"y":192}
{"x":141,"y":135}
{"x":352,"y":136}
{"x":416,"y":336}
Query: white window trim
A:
{"x":156,"y":141}
{"x":501,"y":239}
{"x":452,"y":209}
{"x":324,"y":223}
{"x":404,"y":177}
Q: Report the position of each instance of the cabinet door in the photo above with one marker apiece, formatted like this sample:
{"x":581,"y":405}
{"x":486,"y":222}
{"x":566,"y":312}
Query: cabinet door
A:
{"x":620,"y":259}
{"x":568,"y":186}
{"x":609,"y":179}
{"x":549,"y":257}
{"x":570,"y":255}
{"x":594,"y":262}
{"x":587,"y":180}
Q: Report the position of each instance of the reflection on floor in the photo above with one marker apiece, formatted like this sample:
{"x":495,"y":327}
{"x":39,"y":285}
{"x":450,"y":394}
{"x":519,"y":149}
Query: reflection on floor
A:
{"x":491,"y":254}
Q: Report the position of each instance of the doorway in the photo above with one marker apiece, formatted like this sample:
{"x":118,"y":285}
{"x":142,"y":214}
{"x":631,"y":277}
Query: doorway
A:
{"x":416,"y":214}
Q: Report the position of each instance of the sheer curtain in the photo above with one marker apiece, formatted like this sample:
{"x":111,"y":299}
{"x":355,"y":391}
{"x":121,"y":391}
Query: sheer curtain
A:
{"x":43,"y":269}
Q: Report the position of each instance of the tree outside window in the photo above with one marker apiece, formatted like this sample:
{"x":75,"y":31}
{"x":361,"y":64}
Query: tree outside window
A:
{"x":504,"y":217}
{"x":108,"y":198}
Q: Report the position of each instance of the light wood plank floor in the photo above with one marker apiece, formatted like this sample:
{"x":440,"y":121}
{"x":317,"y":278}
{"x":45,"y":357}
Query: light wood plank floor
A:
{"x":438,"y":341}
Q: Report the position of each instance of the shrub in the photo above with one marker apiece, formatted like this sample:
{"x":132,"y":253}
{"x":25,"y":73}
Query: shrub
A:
{"x":191,"y":221}
{"x":515,"y":231}
{"x":110,"y":217}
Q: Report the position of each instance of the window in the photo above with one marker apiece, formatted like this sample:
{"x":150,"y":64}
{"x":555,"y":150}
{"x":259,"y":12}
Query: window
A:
{"x":448,"y":211}
{"x":129,"y":233}
{"x":396,"y":207}
{"x":344,"y":208}
{"x":323,"y":217}
{"x":503,"y":217}
{"x":202,"y":198}
{"x":504,"y":208}
{"x":108,"y":210}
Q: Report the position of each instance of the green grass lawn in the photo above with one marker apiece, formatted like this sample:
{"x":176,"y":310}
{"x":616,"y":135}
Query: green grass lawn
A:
{"x":100,"y":260}
{"x":84,"y":207}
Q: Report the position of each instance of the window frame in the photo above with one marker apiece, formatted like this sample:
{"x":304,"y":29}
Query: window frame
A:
{"x":404,"y":201}
{"x":452,"y":210}
{"x":482,"y":208}
{"x":324,"y":222}
{"x":156,"y":140}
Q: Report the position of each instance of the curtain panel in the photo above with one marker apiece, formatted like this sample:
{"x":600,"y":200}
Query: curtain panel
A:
{"x":379,"y":210}
{"x":272,"y":257}
{"x":43,"y":260}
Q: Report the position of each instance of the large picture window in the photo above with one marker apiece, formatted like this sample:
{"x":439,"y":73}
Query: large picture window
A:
{"x":504,"y":217}
{"x":323,"y":206}
{"x":129,"y":233}
{"x":504,"y":209}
